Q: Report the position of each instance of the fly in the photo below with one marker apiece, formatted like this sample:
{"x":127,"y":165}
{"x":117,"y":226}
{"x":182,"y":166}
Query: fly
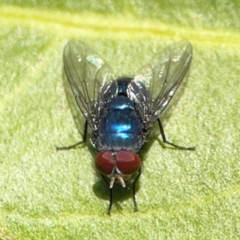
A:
{"x":120,"y":112}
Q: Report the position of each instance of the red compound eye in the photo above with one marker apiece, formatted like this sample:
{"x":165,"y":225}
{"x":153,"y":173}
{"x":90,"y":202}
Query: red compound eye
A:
{"x":127,"y":162}
{"x":104,"y":162}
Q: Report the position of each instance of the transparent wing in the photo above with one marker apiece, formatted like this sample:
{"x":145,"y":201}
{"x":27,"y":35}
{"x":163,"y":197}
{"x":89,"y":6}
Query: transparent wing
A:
{"x":86,"y":75}
{"x":161,"y":77}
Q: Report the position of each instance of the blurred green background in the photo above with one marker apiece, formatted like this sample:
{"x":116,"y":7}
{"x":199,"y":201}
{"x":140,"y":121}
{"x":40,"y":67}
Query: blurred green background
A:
{"x":46,"y":194}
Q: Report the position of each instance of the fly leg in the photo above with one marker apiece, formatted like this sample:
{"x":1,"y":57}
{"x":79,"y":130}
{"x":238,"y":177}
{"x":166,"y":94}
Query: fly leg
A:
{"x":110,"y":195}
{"x":134,"y":189}
{"x":78,"y":143}
{"x":110,"y":201}
{"x":167,"y":142}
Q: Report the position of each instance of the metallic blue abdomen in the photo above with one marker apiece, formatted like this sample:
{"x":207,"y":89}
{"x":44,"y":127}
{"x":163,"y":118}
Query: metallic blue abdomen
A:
{"x":119,"y":126}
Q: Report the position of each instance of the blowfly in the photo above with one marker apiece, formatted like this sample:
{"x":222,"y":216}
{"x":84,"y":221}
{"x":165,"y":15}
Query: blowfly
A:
{"x":118,"y":113}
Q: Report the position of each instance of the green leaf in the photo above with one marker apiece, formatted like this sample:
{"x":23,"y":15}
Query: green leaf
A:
{"x":45,"y":194}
